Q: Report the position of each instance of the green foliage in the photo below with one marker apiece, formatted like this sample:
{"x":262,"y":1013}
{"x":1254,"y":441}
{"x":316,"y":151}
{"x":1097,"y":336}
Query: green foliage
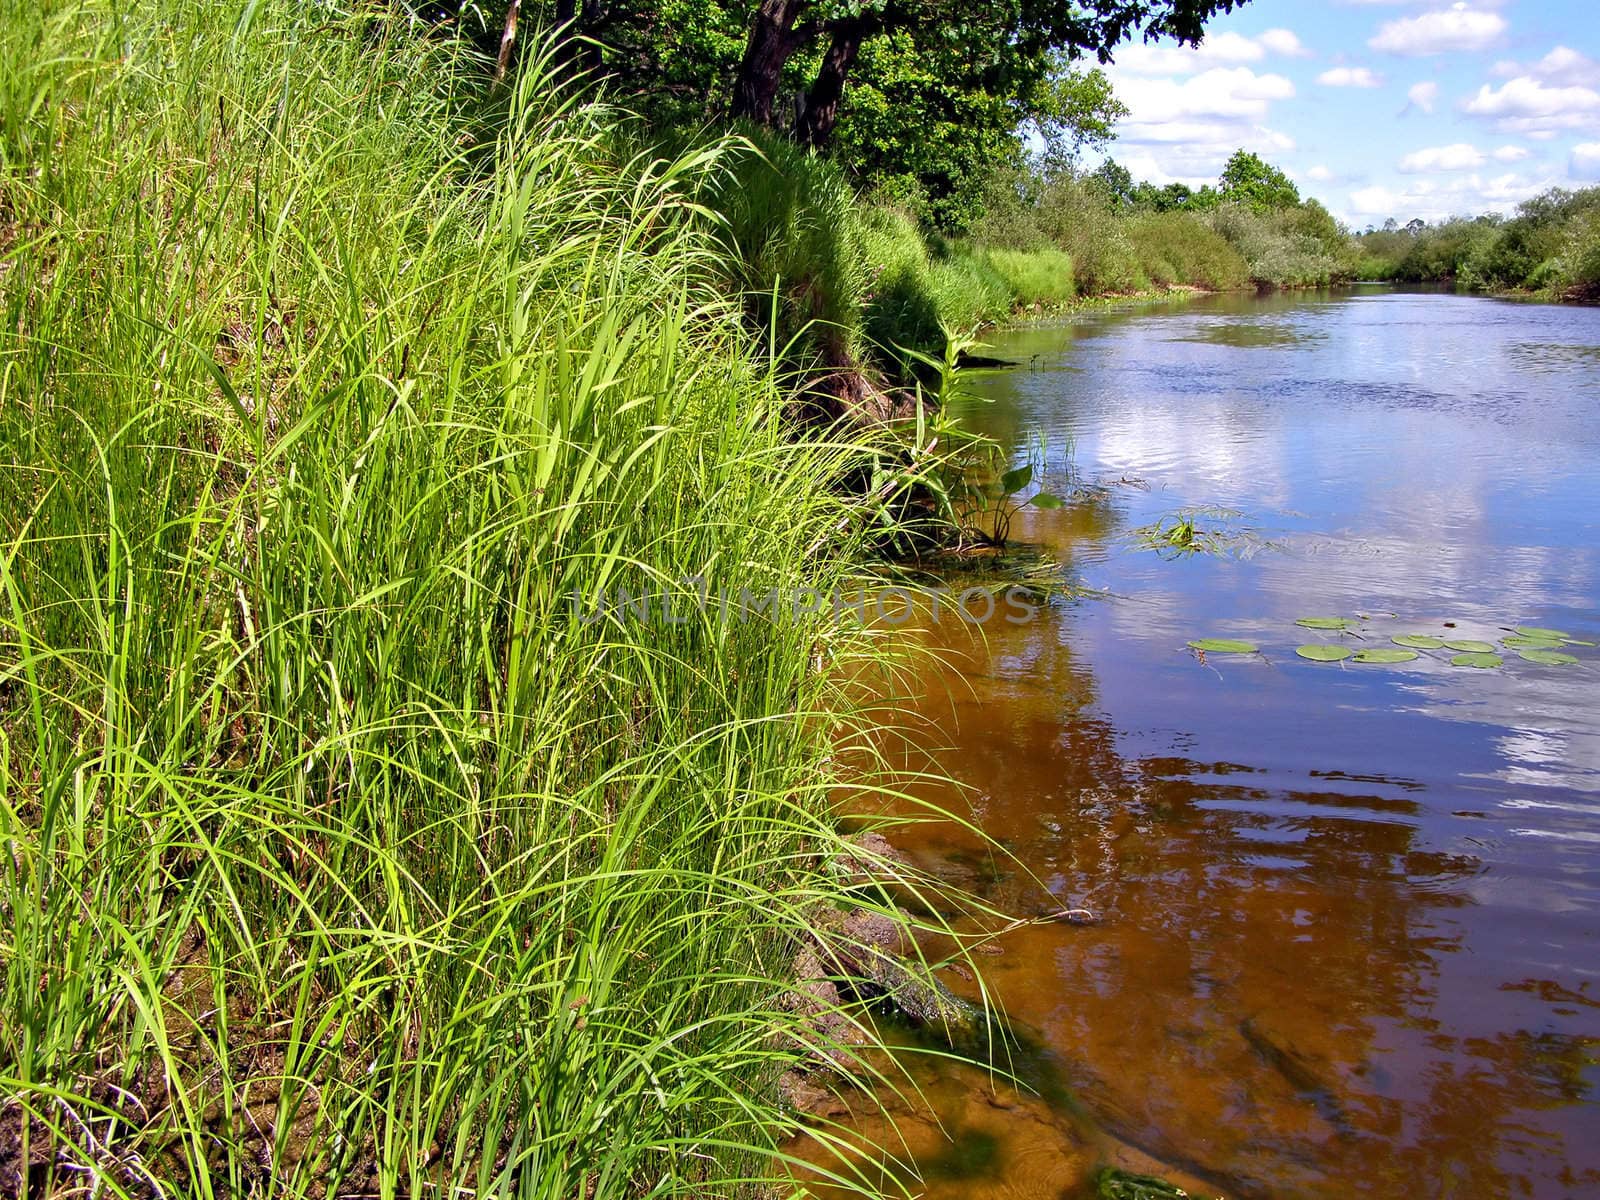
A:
{"x":1179,"y":247}
{"x":1035,"y":278}
{"x":1551,"y":246}
{"x":1250,"y":181}
{"x":340,"y":855}
{"x":790,"y":236}
{"x":1275,"y":247}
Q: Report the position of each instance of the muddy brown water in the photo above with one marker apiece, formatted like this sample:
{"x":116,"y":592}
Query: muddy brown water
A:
{"x":1349,"y":916}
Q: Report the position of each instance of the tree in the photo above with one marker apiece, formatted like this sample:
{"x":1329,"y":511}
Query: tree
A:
{"x":1071,"y":110}
{"x":925,"y":123}
{"x":1250,"y":180}
{"x":1033,"y":35}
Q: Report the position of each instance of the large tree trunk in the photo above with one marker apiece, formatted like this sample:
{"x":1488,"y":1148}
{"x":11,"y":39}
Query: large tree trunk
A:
{"x":772,"y":42}
{"x":819,"y":109}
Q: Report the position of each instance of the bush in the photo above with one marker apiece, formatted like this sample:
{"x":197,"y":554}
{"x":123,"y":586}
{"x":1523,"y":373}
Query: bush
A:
{"x":1277,"y":251}
{"x":1175,"y":247}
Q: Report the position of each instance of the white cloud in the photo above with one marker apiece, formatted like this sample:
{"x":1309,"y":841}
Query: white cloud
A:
{"x":1459,"y":157}
{"x":1424,"y":95}
{"x":1455,"y":29}
{"x":1356,"y":77}
{"x":1217,"y":50}
{"x":1219,"y":92}
{"x":1585,"y":164}
{"x":1320,"y":174}
{"x":1285,"y":42}
{"x":1526,"y":105}
{"x":1563,"y":66}
{"x":1434,"y":200}
{"x":1511,"y":154}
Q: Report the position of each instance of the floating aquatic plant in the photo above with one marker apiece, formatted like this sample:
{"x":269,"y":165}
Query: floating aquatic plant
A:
{"x":1481,"y":660}
{"x":1419,"y":641}
{"x":1326,"y":623}
{"x":1224,"y":646}
{"x":1322,"y":652}
{"x":1470,"y":646}
{"x":1385,"y":656}
{"x":1549,"y":658}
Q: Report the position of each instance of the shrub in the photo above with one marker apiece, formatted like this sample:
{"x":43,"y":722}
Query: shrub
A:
{"x":1176,"y":247}
{"x":1277,"y":252}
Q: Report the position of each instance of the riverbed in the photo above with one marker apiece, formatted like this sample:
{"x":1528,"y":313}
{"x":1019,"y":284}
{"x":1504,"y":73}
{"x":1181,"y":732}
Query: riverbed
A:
{"x":1346,"y":935}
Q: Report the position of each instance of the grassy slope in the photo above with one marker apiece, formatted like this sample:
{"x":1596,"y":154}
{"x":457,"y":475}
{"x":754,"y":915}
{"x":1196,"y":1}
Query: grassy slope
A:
{"x":336,"y":852}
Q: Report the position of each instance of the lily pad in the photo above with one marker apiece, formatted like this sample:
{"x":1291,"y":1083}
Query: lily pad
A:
{"x":1522,"y":642}
{"x":1468,"y":646}
{"x":1322,"y":652}
{"x":1385,"y":656}
{"x":1325,"y":622}
{"x":1224,"y":646}
{"x":1579,"y":642}
{"x":1554,"y":635}
{"x":1483,"y":661}
{"x":1419,"y":641}
{"x":1550,"y":658}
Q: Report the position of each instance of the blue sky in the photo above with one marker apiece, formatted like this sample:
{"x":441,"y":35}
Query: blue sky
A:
{"x":1380,"y":108}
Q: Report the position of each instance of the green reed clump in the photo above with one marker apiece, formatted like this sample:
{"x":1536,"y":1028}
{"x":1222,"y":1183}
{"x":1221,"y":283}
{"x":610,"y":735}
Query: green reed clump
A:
{"x":337,"y":854}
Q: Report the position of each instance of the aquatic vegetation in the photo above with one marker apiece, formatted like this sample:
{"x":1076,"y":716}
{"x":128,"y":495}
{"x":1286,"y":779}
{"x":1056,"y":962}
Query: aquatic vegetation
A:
{"x":1205,"y":530}
{"x":1549,"y":658}
{"x":1385,"y":657}
{"x":1224,"y":646}
{"x":1534,"y":644}
{"x":1323,"y":652}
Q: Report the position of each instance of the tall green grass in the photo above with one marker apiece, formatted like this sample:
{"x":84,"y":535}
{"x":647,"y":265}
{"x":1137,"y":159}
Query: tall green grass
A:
{"x":337,"y":855}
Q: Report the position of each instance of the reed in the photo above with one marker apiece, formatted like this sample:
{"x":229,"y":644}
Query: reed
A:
{"x":339,"y":855}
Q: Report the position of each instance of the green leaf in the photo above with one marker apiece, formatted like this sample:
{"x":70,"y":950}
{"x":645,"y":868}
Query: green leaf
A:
{"x":1468,"y":646}
{"x":1326,"y":622}
{"x":1385,"y":656}
{"x":1519,"y":641}
{"x":1046,"y":500}
{"x":1552,"y":635}
{"x":1016,"y":480}
{"x":1550,"y":658}
{"x":1224,"y":646}
{"x":1419,"y":641}
{"x":1482,"y":661}
{"x":1322,"y":652}
{"x":1580,"y":642}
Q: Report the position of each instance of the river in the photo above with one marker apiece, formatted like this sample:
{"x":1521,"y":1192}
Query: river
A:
{"x":1347,"y":916}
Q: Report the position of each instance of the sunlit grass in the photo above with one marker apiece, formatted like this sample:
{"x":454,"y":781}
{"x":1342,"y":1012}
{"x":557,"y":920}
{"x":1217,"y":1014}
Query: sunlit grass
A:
{"x":338,"y":857}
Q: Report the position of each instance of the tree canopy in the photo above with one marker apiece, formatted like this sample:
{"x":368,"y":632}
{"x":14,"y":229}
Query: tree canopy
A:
{"x":1250,"y":180}
{"x":919,"y":96}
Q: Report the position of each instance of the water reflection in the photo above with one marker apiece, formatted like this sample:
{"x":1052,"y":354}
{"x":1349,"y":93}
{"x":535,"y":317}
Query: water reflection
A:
{"x":1348,"y":917}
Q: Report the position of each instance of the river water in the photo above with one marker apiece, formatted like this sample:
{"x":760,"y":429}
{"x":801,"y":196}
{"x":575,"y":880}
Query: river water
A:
{"x":1348,"y":916}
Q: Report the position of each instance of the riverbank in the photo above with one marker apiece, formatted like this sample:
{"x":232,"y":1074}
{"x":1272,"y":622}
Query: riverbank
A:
{"x":384,"y":810}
